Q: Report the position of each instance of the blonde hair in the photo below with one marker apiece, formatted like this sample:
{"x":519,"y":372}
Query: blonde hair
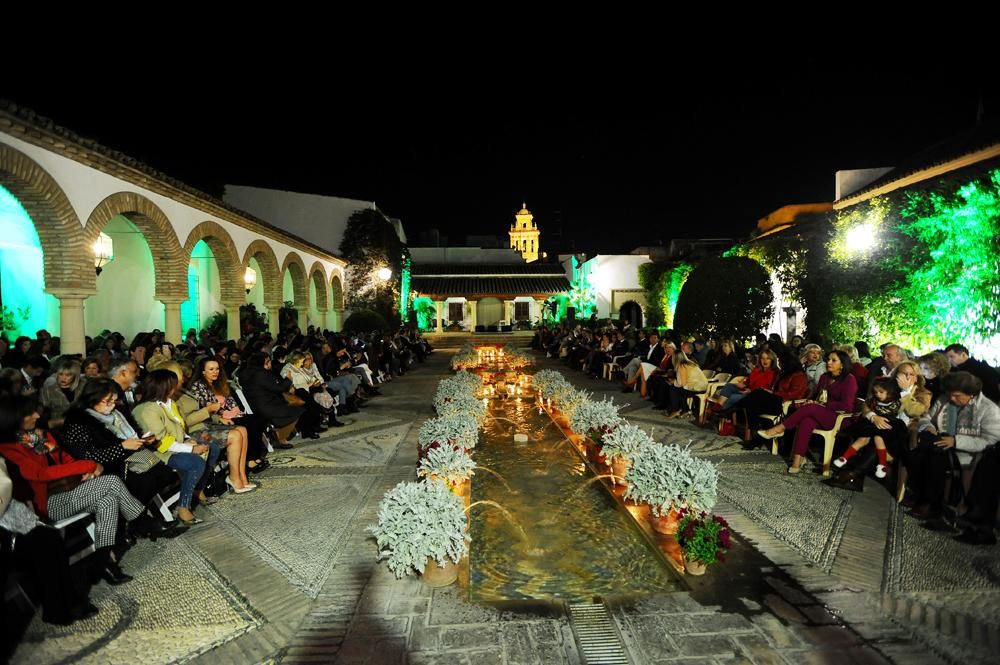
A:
{"x":805,"y":352}
{"x":937,"y":361}
{"x":296,"y":358}
{"x":851,"y":351}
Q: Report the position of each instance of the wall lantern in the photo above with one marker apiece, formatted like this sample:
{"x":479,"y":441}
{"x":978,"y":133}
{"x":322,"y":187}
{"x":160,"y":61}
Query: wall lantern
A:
{"x":249,"y":279}
{"x":104,"y":252}
{"x":384,"y":274}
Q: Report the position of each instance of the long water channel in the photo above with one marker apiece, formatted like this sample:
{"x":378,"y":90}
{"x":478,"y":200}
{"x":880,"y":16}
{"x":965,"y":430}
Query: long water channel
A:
{"x":577,"y":543}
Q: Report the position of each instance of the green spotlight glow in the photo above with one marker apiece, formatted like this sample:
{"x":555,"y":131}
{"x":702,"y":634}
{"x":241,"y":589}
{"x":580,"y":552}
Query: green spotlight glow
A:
{"x":673,"y":282}
{"x":22,"y":278}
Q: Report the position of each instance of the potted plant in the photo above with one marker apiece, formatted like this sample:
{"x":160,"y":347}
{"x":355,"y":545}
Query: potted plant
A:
{"x":448,"y":430}
{"x":464,"y":406}
{"x":656,"y":477}
{"x":449,"y":465}
{"x":421,"y":526}
{"x":620,"y":445}
{"x":595,"y":419}
{"x":704,"y":538}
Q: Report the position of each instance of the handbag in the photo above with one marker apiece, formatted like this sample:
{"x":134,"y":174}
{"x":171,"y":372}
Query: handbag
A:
{"x":141,"y":461}
{"x":294,"y":400}
{"x":64,"y":484}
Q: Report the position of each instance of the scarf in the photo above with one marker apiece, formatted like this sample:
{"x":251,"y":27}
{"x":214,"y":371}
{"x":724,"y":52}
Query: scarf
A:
{"x":115,"y":423}
{"x":171,"y":410}
{"x":35,"y":441}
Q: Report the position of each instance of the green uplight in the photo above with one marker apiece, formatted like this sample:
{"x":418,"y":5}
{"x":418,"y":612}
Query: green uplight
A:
{"x":22,"y":278}
{"x":673,"y":282}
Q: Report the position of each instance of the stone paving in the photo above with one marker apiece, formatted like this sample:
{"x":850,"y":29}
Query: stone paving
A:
{"x":288,"y":574}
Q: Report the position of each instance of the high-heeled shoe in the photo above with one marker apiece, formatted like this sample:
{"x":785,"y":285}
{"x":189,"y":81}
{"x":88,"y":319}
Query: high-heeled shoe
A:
{"x":249,"y":487}
{"x":113,"y":574}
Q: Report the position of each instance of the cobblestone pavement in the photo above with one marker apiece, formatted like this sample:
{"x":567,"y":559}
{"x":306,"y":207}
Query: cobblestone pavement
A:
{"x":288,"y":575}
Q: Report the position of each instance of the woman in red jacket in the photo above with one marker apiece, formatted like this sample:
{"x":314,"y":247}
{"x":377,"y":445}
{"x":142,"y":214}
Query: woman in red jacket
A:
{"x":63,"y":486}
{"x":792,"y":384}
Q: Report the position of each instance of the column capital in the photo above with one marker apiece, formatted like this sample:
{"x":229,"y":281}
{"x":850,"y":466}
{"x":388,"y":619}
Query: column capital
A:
{"x":172,"y":300}
{"x":70,"y":293}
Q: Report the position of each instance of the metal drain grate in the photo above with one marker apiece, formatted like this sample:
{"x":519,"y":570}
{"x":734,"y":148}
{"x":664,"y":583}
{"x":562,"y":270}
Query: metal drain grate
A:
{"x":596,"y":635}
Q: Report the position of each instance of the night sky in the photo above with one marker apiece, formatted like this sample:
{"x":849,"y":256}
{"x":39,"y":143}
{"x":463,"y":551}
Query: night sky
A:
{"x":611,"y":155}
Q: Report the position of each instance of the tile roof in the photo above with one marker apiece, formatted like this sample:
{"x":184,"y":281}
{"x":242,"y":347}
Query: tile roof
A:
{"x":487,"y":286}
{"x":478,"y":269}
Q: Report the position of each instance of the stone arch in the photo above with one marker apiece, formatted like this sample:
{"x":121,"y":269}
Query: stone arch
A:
{"x":169,"y":266}
{"x":318,"y":275}
{"x":337,"y":292}
{"x":226,"y":255}
{"x":68,"y":265}
{"x":297,"y":267}
{"x":270,"y":278}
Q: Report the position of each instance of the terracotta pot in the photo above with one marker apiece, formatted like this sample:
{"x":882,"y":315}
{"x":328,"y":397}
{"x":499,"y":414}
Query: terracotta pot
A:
{"x":619,"y":467}
{"x":665,"y":524}
{"x":437,"y":576}
{"x":694,"y":567}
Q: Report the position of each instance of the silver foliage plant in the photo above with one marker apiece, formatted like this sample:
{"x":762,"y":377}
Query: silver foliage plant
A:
{"x":515,"y":357}
{"x":457,"y":430}
{"x":570,"y":400}
{"x":547,"y":380}
{"x":467,"y":356}
{"x":599,"y":416}
{"x":417,"y":521}
{"x":464,"y":406}
{"x":624,"y":441}
{"x":653,"y":477}
{"x":668,"y":475}
{"x":447,"y":462}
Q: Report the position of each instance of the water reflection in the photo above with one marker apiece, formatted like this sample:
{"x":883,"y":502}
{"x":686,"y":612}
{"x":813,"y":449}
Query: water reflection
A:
{"x":577,"y":542}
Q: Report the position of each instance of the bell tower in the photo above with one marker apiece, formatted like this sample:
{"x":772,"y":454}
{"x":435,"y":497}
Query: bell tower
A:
{"x":524,"y":234}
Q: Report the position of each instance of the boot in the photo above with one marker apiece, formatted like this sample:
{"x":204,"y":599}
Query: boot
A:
{"x":111,"y":572}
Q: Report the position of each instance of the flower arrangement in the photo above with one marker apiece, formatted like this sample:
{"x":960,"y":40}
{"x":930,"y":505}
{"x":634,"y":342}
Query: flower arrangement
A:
{"x":624,"y":441}
{"x":453,"y":465}
{"x":704,"y":538}
{"x":595,"y":419}
{"x":417,"y":521}
{"x":458,"y":431}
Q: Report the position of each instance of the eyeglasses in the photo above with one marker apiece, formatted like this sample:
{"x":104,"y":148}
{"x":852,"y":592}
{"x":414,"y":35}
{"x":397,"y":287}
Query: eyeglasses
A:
{"x":109,"y":400}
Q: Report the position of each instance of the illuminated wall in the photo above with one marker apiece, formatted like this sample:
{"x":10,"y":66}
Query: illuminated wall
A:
{"x":123,"y":282}
{"x":203,"y":288}
{"x":21,"y":276}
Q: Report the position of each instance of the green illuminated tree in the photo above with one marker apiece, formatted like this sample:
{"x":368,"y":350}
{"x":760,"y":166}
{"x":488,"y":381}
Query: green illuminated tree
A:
{"x":725,"y":297}
{"x":369,"y":244}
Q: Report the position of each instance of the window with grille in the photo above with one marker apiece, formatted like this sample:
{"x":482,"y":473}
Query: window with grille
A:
{"x":456,"y":311}
{"x":521,"y":311}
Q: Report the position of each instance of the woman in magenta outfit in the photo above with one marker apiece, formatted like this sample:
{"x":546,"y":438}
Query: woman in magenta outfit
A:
{"x":835,"y":392}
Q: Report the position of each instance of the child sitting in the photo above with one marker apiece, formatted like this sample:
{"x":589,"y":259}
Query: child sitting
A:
{"x":881,"y":419}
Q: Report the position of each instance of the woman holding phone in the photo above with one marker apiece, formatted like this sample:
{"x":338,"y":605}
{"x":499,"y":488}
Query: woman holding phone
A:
{"x":96,"y":430}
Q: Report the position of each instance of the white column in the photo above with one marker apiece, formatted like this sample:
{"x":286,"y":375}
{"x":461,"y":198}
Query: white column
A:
{"x":72,"y":333}
{"x":274,"y":320}
{"x":303,"y":319}
{"x":508,"y":311}
{"x":172,"y":320}
{"x":540,"y":309}
{"x":472,"y":315}
{"x":233,"y":322}
{"x":439,"y":306}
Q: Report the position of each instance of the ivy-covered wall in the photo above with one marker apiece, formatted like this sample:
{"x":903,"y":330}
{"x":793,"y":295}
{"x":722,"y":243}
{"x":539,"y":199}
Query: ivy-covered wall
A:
{"x":920,"y":267}
{"x":663,"y":283}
